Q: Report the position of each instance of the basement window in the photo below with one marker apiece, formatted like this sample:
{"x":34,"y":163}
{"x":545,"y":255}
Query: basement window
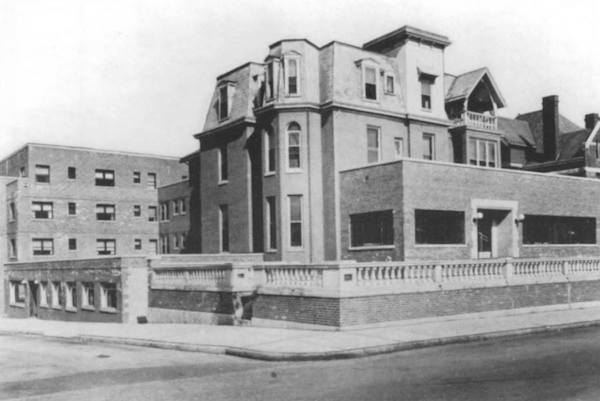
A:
{"x":541,"y":229}
{"x":87,"y":295}
{"x":439,"y":227}
{"x":372,"y":229}
{"x":70,"y":297}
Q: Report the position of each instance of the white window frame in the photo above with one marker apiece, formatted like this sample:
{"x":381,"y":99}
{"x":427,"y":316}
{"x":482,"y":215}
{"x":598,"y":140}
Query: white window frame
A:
{"x":485,"y":158}
{"x":387,"y":87}
{"x":370,"y":65}
{"x":182,"y":206}
{"x":378,"y":129}
{"x":105,"y":243}
{"x":269,"y":141}
{"x":70,"y":294}
{"x":43,"y":294}
{"x":175,"y":206}
{"x":286,"y":70}
{"x":301,"y":221}
{"x":45,"y":244}
{"x":289,"y":131}
{"x":432,"y":136}
{"x":86,"y":287}
{"x":398,"y":154}
{"x":42,"y":207}
{"x":104,"y":306}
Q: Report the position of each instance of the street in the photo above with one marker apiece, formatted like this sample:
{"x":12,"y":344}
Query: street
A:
{"x":560,"y":366}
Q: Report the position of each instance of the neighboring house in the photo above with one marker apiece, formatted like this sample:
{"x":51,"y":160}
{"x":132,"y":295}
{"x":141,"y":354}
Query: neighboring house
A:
{"x":66,"y":202}
{"x":291,"y":149}
{"x":174,"y":220}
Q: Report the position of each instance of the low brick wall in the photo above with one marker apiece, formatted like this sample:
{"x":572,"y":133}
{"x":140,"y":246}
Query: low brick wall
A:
{"x":297,"y":309}
{"x":198,"y":301}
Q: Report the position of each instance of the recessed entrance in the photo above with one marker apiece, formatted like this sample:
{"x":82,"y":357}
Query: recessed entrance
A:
{"x":494,"y":232}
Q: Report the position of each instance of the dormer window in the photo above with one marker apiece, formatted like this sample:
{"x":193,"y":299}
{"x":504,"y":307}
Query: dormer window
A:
{"x":427,"y":80}
{"x":292,"y":64}
{"x":225,"y":97}
{"x":271,"y":79}
{"x":370,"y":82}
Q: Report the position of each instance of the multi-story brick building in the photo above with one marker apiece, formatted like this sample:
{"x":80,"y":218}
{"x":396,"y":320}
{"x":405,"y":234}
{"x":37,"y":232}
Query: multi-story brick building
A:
{"x":285,"y":141}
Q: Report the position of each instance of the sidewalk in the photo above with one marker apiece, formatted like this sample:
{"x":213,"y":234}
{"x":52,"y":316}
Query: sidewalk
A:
{"x":295,"y":345}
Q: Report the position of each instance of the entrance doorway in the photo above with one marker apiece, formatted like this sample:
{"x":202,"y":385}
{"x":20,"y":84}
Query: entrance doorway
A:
{"x":494,"y":233}
{"x":33,"y":299}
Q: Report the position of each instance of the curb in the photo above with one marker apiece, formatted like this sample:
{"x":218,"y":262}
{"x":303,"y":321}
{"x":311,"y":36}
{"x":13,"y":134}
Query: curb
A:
{"x":272,"y":356}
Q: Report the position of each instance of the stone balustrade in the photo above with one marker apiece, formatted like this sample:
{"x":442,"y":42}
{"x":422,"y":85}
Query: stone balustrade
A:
{"x":477,"y":120}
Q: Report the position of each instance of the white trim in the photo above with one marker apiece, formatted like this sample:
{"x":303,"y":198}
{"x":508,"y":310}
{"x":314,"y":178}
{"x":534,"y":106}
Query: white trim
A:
{"x":369,"y":126}
{"x":364,"y":65}
{"x":494,"y":204}
{"x":289,"y":204}
{"x":289,"y":169}
{"x":286,"y":59}
{"x":220,"y":180}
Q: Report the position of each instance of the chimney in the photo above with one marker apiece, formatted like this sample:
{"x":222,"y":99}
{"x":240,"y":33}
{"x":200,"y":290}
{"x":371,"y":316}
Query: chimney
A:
{"x":550,"y":126}
{"x":591,"y":120}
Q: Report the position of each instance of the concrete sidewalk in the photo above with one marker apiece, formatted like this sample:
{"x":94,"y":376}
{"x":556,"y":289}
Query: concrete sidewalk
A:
{"x":295,"y":345}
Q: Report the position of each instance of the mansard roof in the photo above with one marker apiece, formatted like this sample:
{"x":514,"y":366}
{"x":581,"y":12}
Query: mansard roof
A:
{"x":462,"y":85}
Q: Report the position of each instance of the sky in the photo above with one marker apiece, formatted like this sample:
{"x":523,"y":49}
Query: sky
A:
{"x":137,"y":75}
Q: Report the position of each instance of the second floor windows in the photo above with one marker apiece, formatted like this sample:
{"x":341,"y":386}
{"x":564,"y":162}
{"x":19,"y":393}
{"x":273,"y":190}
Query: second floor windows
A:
{"x":105,"y":178}
{"x":151,"y":180}
{"x":291,"y":75}
{"x":105,"y":212}
{"x":223,"y":168}
{"x":164,"y":211}
{"x":482,"y":152}
{"x":428,"y":146}
{"x":42,"y":246}
{"x":293,"y":135}
{"x":370,"y":82}
{"x":106,"y":246}
{"x":373,"y":144}
{"x":151,"y":213}
{"x":42,"y":173}
{"x":42,"y":210}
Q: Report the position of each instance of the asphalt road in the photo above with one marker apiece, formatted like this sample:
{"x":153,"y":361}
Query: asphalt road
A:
{"x":561,"y":366}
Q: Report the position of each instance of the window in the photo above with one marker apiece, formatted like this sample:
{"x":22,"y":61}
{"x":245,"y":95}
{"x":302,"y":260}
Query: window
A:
{"x":389,"y":84}
{"x":137,"y":177}
{"x":291,"y":72}
{"x":105,"y":178}
{"x":108,"y":296}
{"x":42,"y":210}
{"x":137,"y":210}
{"x":56,"y":294}
{"x":12,"y":248}
{"x":223,"y":102}
{"x":426,"y":83}
{"x":12,"y":211}
{"x":42,"y":173}
{"x":224,"y":227}
{"x":293,"y":134}
{"x":398,"y":147}
{"x":22,"y":172}
{"x":42,"y":246}
{"x":151,"y":213}
{"x":541,"y":229}
{"x":151,"y":183}
{"x":269,"y":151}
{"x":182,"y":237}
{"x":482,"y":152}
{"x":372,"y":144}
{"x":270,"y":81}
{"x":87,"y":295}
{"x":72,"y":206}
{"x":70,"y":296}
{"x":372,"y":228}
{"x":17,"y":293}
{"x":439,"y":227}
{"x":44,"y":293}
{"x":271,"y":223}
{"x":370,"y":81}
{"x":428,"y":147}
{"x":175,"y":241}
{"x":182,"y":206}
{"x":295,"y":202}
{"x":175,"y":208}
{"x":137,"y":244}
{"x":71,"y":173}
{"x":105,"y":212}
{"x":106,"y":246}
{"x":153,"y":245}
{"x":222,"y":156}
{"x":72,"y":244}
{"x":164,"y":211}
{"x":164,"y":244}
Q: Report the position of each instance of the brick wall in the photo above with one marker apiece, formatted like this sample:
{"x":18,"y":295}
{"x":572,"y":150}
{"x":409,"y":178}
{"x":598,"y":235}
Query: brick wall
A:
{"x":199,"y":301}
{"x":306,"y":310}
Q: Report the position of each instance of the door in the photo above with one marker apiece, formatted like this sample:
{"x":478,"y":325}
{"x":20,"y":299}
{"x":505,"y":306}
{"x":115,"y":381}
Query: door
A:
{"x":33,"y":299}
{"x":484,"y":236}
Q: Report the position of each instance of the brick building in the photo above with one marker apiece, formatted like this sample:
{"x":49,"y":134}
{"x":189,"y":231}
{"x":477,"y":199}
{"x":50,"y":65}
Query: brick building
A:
{"x":291,"y":148}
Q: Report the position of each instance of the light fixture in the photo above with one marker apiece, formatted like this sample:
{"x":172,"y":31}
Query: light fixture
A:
{"x":519,"y":219}
{"x":477,"y":216}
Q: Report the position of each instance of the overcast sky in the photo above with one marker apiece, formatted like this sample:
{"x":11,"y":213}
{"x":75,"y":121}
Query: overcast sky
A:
{"x":137,"y":75}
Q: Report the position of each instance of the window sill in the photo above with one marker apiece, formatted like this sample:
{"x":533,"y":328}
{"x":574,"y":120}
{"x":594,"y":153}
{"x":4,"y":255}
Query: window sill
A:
{"x":568,"y":245}
{"x":269,"y":174}
{"x":56,"y":307}
{"x":292,"y":95}
{"x":370,"y":100}
{"x":108,"y":310}
{"x":371,"y":248}
{"x":223,"y":119}
{"x":438,"y":245}
{"x":426,"y":110}
{"x":223,"y":182}
{"x":71,"y":310}
{"x":389,"y":93}
{"x":17,"y":304}
{"x":271,"y":251}
{"x":88,"y":308}
{"x":293,"y":171}
{"x":44,"y":306}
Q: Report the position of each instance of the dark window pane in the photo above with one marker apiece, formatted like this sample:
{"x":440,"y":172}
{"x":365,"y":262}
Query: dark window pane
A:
{"x":439,"y":227}
{"x":539,"y":229}
{"x":372,"y":229}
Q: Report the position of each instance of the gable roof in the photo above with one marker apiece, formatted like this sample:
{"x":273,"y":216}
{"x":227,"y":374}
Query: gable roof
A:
{"x":463,"y":84}
{"x":516,"y":132}
{"x":535,"y":121}
{"x":572,"y":144}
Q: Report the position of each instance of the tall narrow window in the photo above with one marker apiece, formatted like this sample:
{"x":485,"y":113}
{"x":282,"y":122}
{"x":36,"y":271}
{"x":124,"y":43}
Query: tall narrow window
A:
{"x":223,"y":103}
{"x":72,"y":208}
{"x":389,"y":84}
{"x":224,"y":227}
{"x":151,"y":213}
{"x":151,"y":180}
{"x":137,"y":177}
{"x":269,"y":151}
{"x":12,"y":211}
{"x":272,"y":223}
{"x":428,"y":146}
{"x":370,"y":78}
{"x":293,"y":134}
{"x":223,"y":168}
{"x":12,"y":248}
{"x":270,"y":81}
{"x":42,"y":173}
{"x":426,"y":83}
{"x":398,"y":147}
{"x":292,"y":76}
{"x":295,"y":203}
{"x":72,"y":244}
{"x":372,"y":144}
{"x":71,"y":173}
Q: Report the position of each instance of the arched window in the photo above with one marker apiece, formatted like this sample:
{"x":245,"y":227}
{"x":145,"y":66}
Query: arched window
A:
{"x":293,"y":136}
